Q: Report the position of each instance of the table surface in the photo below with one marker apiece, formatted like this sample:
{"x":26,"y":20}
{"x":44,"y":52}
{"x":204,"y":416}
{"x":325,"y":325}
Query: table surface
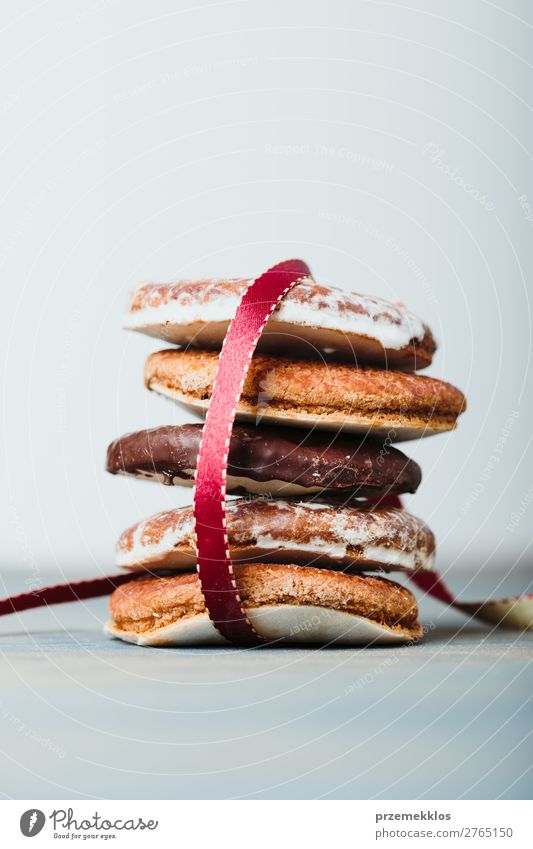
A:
{"x":85,"y":716}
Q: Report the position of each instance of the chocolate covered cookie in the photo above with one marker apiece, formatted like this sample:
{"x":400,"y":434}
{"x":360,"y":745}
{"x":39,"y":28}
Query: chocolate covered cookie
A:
{"x":276,"y":461}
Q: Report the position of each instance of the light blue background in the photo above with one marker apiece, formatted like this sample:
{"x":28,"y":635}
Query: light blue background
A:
{"x":388,"y":144}
{"x":384,"y":142}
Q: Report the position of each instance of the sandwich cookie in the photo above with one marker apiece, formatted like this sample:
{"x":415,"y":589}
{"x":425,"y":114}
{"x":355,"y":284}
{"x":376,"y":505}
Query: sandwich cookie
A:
{"x":311,"y":320}
{"x":303,"y":393}
{"x":286,"y":604}
{"x":268,"y":460}
{"x":287,"y":531}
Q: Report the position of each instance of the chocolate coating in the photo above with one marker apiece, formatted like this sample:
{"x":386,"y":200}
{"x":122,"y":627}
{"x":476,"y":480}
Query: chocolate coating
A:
{"x":270,"y":459}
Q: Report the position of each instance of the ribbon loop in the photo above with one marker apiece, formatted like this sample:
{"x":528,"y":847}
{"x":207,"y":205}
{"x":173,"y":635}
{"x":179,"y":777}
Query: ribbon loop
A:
{"x":215,"y":570}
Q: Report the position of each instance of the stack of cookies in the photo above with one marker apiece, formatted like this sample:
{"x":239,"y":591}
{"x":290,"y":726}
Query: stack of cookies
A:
{"x":311,"y":467}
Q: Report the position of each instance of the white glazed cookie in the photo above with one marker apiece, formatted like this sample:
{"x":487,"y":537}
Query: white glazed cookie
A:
{"x":287,"y":531}
{"x":312,"y":320}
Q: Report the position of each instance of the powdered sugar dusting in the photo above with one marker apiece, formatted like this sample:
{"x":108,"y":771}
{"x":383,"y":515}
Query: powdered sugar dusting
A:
{"x":388,"y":538}
{"x":307,"y":305}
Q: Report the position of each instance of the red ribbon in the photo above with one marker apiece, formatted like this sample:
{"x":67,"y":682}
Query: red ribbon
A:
{"x":515,"y":612}
{"x":61,"y":593}
{"x":215,"y":570}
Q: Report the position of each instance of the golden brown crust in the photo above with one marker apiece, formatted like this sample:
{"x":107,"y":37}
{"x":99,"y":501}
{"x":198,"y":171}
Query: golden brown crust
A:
{"x":148,"y":604}
{"x":312,"y":387}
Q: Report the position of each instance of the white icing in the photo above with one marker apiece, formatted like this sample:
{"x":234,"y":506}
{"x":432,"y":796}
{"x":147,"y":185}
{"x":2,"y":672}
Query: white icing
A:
{"x":316,"y":545}
{"x":282,"y":622}
{"x":350,"y":533}
{"x":219,"y":307}
{"x":279,"y":503}
{"x":391,"y":556}
{"x":233,"y":481}
{"x":142,"y":551}
{"x":264,"y":487}
{"x":312,"y":505}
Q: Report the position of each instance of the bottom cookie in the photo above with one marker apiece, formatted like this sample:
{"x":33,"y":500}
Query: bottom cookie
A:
{"x":286,"y":604}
